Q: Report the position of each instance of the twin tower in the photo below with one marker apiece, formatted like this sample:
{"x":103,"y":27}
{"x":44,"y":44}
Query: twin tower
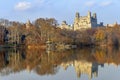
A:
{"x":83,"y":22}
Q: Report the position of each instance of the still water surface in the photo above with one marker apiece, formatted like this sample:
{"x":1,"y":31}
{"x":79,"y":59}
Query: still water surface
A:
{"x":79,"y":64}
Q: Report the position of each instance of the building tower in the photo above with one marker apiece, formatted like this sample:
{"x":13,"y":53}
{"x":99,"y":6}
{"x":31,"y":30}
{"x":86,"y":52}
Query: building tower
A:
{"x":94,"y":20}
{"x":89,"y":20}
{"x":77,"y":16}
{"x":89,"y":14}
{"x":95,"y":15}
{"x":76,"y":21}
{"x":28,"y":24}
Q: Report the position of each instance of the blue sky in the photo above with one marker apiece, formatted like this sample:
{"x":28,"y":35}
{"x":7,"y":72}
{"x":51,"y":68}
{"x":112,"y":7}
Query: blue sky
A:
{"x":22,"y":10}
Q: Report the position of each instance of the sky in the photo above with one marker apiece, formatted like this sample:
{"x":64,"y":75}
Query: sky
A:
{"x":22,"y":10}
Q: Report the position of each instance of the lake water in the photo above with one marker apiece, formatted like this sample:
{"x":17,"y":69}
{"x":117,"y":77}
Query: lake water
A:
{"x":78,"y":64}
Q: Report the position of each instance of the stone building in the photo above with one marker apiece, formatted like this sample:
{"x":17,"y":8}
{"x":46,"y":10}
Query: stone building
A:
{"x":83,"y":22}
{"x":112,"y":25}
{"x":64,"y":25}
{"x":28,"y":24}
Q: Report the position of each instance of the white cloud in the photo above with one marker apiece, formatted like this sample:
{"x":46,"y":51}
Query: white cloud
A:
{"x":90,"y":3}
{"x":23,"y":6}
{"x":107,"y":3}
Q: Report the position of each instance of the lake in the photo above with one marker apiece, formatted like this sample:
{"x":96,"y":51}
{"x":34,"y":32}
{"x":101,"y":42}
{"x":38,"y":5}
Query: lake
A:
{"x":75,"y":64}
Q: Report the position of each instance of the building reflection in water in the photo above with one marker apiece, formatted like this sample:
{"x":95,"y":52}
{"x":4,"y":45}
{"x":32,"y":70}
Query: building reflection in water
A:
{"x":83,"y":67}
{"x":84,"y":61}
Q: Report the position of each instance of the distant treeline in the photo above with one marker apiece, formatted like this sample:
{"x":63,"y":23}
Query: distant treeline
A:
{"x":44,"y":29}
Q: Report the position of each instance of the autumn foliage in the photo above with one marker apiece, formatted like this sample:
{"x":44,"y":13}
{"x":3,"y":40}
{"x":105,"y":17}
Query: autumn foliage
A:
{"x":43,"y":29}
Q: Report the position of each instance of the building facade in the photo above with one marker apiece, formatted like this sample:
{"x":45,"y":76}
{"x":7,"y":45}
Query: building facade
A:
{"x":64,"y":25}
{"x":83,"y":22}
{"x":28,"y":24}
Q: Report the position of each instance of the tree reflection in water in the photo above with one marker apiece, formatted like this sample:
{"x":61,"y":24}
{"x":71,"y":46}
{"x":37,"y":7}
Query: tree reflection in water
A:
{"x":84,"y":61}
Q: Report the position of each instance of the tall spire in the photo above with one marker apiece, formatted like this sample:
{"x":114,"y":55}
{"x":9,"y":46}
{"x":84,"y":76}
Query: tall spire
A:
{"x":94,"y":15}
{"x":28,"y":24}
{"x":77,"y":15}
{"x":89,"y":14}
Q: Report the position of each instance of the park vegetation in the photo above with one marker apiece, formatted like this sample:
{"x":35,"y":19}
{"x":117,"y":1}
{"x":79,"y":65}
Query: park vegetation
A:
{"x":44,"y":29}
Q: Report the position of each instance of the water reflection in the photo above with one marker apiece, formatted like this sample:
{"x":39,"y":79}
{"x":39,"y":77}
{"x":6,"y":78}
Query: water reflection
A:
{"x":84,"y":61}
